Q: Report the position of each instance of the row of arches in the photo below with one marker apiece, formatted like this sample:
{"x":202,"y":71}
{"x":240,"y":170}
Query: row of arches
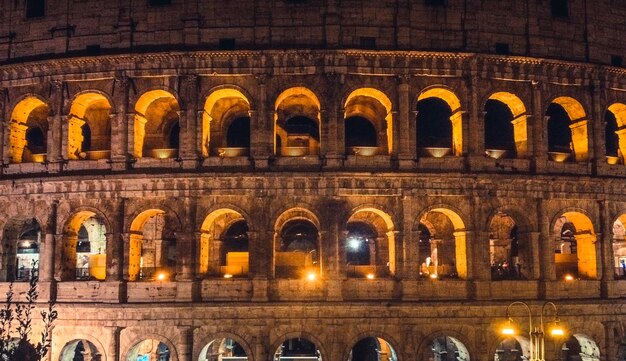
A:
{"x":227,"y":239}
{"x":441,"y":348}
{"x":228,"y":122}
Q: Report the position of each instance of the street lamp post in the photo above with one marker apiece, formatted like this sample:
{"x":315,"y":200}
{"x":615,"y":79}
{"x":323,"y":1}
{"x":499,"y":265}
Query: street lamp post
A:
{"x":536,"y":333}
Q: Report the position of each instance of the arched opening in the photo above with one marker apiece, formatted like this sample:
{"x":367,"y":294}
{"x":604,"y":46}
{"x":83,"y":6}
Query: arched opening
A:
{"x":575,"y":250}
{"x":226,"y":124}
{"x":297,"y":123}
{"x":370,"y":244}
{"x":615,"y":133}
{"x":20,"y":253}
{"x":297,"y":250}
{"x":505,"y":251}
{"x":28,"y":131}
{"x":84,"y":248}
{"x":149,"y":350}
{"x":80,"y":350}
{"x":372,"y":349}
{"x":619,"y":246}
{"x":506,"y":126}
{"x":368,"y":123}
{"x":444,"y":245}
{"x":224,"y":245}
{"x":89,"y":127}
{"x":152,"y":249}
{"x":499,"y":133}
{"x":447,"y":348}
{"x":515,"y":348}
{"x":567,"y":131}
{"x":580,"y":348}
{"x":297,"y":349}
{"x":439,"y":123}
{"x":156,"y":125}
{"x":223,"y":349}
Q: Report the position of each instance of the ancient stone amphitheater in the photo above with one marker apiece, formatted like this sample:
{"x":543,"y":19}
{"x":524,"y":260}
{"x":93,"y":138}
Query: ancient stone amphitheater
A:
{"x":316,"y":179}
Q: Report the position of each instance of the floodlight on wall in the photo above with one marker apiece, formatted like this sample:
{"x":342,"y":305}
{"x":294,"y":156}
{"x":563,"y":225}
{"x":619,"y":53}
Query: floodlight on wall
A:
{"x":161,"y":276}
{"x":370,"y":276}
{"x":569,"y":278}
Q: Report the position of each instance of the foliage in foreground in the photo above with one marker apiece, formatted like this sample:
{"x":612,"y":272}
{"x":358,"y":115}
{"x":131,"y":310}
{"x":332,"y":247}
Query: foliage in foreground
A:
{"x":16,"y":325}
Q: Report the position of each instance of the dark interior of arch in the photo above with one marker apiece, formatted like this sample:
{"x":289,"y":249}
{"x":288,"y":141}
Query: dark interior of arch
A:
{"x":302,"y":125}
{"x":35,"y":140}
{"x":434,"y":128}
{"x":235,"y":239}
{"x":360,"y":132}
{"x":299,"y":235}
{"x":559,"y":133}
{"x":86,"y":131}
{"x":509,"y":350}
{"x":298,"y":347}
{"x":611,"y":139}
{"x":360,"y":235}
{"x":499,"y":133}
{"x":367,"y":349}
{"x":173,"y":136}
{"x":238,"y":134}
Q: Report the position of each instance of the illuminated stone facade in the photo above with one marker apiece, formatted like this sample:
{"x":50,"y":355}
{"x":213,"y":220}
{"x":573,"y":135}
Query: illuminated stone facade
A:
{"x":316,"y":192}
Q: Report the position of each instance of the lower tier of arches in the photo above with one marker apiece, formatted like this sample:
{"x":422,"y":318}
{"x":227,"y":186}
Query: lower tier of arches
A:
{"x":329,"y":332}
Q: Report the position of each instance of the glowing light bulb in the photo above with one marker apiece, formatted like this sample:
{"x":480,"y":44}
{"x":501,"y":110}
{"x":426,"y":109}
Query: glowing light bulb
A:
{"x":161,"y":276}
{"x":569,"y":278}
{"x":370,"y":276}
{"x":311,"y":276}
{"x":228,"y":275}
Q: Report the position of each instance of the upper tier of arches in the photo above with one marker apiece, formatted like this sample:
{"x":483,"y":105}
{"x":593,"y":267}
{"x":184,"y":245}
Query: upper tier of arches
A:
{"x":407,"y":121}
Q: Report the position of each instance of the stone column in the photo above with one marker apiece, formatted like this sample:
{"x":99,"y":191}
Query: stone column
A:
{"x":332,"y":25}
{"x":606,"y":268}
{"x":59,"y":266}
{"x":135,"y":148}
{"x":535,"y":255}
{"x":407,"y":152}
{"x":5,"y":119}
{"x":480,"y":261}
{"x":466,"y":239}
{"x":537,"y":126}
{"x":126,"y":252}
{"x":46,"y":257}
{"x":112,"y":333}
{"x":114,"y":256}
{"x":332,"y":119}
{"x":186,"y":252}
{"x":597,"y":151}
{"x":185,"y":345}
{"x":261,"y":267}
{"x":398,"y":253}
{"x":187,"y":120}
{"x":546,"y":244}
{"x":55,"y":126}
{"x":475,"y":138}
{"x":261,"y":134}
{"x":119,"y":123}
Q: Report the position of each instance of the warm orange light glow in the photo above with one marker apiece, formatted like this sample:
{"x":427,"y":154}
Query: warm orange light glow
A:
{"x":311,"y":276}
{"x":228,"y":275}
{"x":569,"y":278}
{"x":433,"y":276}
{"x":370,"y":276}
{"x":161,"y":276}
{"x":509,"y":329}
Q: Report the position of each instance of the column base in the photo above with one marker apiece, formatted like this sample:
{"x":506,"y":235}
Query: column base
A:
{"x":261,"y":162}
{"x":119,"y":164}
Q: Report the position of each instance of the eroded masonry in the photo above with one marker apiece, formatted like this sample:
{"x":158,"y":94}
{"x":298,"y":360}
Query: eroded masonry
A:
{"x":335,"y":194}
